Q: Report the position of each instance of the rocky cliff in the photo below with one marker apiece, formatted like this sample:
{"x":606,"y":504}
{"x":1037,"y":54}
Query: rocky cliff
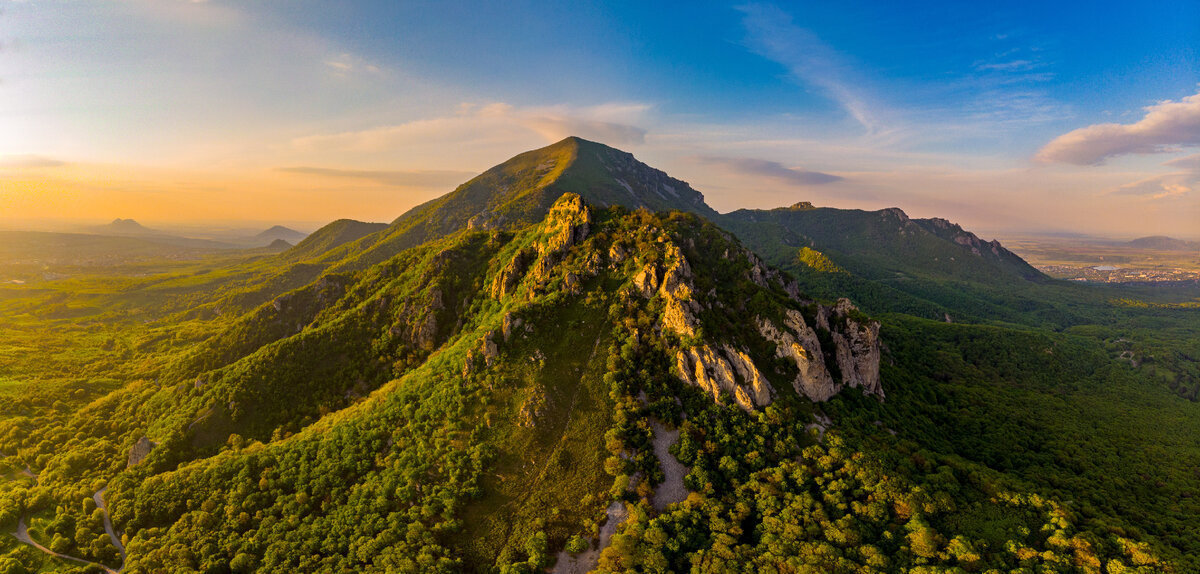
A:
{"x":849,"y":357}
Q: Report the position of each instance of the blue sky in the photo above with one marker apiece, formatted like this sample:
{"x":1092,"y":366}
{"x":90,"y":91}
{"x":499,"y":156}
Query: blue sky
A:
{"x":1005,"y":116}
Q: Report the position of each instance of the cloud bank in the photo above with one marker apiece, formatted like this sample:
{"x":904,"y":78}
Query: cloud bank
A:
{"x":610,"y":124}
{"x":399,"y":178}
{"x":1166,"y":125}
{"x":771,"y":169}
{"x":1184,"y":180}
{"x":29,"y":161}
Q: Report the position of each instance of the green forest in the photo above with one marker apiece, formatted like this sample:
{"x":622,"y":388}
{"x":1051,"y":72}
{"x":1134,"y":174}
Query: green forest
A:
{"x":488,"y":384}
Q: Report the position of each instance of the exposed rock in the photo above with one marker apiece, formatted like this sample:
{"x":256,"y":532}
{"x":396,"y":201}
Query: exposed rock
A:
{"x":759,"y":389}
{"x":489,"y":350}
{"x":616,"y":253}
{"x":567,"y":223}
{"x":511,"y":324}
{"x":506,"y":281}
{"x":140,"y":450}
{"x":533,"y":408}
{"x":856,"y":350}
{"x":714,"y":371}
{"x":646,"y":281}
{"x":798,"y":342}
{"x":679,"y":311}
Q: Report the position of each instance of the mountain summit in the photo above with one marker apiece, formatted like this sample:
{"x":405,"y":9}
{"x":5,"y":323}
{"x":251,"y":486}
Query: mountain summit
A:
{"x":520,"y":191}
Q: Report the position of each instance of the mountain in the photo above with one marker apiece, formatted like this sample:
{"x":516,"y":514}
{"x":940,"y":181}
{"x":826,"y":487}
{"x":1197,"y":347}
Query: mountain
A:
{"x":127,"y":227}
{"x":1164,"y":243}
{"x":927,"y":267}
{"x":528,"y":371}
{"x":521,"y":190}
{"x":332,"y":236}
{"x":280,"y":232}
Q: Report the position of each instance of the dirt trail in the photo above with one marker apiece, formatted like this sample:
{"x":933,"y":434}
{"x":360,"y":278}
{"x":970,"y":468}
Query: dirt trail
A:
{"x":587,"y":560}
{"x":672,"y":489}
{"x":108,"y":527}
{"x":22,"y":534}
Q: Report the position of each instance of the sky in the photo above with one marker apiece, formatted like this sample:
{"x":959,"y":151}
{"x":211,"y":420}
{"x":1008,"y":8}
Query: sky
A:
{"x":1006,"y":117}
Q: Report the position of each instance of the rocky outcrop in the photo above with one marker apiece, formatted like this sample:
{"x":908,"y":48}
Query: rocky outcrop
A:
{"x":139,"y":451}
{"x":680,"y":308}
{"x":725,"y":371}
{"x":797,"y":341}
{"x":855,"y":349}
{"x":510,"y":324}
{"x":507,"y":279}
{"x":488,"y":349}
{"x":567,"y":223}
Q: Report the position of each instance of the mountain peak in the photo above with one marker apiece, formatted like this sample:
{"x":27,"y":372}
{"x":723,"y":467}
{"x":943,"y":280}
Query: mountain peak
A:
{"x":520,"y":192}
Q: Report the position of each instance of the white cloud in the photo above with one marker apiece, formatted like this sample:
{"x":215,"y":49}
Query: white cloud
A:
{"x":773,"y":35}
{"x":398,"y":178}
{"x":29,"y":161}
{"x":611,"y":124}
{"x":1166,"y":126}
{"x":1167,"y":185}
{"x":769,"y":169}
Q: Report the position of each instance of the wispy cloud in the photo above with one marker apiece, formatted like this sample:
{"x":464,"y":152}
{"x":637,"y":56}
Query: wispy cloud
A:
{"x":400,"y":178}
{"x":1166,"y":126}
{"x":810,"y":61}
{"x":607,"y":124}
{"x":29,"y":161}
{"x":345,"y":64}
{"x":770,"y":169}
{"x":1167,"y":185}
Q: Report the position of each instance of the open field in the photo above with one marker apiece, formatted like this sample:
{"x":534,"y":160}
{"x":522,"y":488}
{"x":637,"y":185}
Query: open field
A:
{"x":1111,"y":262}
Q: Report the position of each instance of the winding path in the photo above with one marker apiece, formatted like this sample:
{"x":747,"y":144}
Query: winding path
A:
{"x":108,"y":527}
{"x":22,"y":534}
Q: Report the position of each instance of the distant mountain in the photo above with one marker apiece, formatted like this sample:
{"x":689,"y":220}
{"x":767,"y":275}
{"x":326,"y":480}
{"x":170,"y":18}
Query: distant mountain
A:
{"x":1164,"y":243}
{"x":331,"y":236}
{"x":280,"y":232}
{"x":124,"y":227}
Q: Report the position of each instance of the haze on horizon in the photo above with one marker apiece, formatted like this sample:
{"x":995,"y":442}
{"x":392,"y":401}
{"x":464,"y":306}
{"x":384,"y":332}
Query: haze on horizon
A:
{"x":1005,"y":118}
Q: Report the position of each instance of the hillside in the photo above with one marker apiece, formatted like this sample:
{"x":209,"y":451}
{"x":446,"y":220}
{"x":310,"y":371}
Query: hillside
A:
{"x":565,"y":378}
{"x":521,"y":190}
{"x":1164,"y":243}
{"x":277,"y":232}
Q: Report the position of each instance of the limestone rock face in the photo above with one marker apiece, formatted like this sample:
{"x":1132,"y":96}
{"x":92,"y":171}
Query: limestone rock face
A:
{"x":506,"y":281}
{"x":798,"y":341}
{"x":488,"y":349}
{"x":139,"y":451}
{"x":679,"y":312}
{"x":856,"y":350}
{"x":511,"y":324}
{"x":725,"y":371}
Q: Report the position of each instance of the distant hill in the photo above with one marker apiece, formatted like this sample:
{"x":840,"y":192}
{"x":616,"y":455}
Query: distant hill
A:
{"x":124,"y":227}
{"x":1164,"y":243}
{"x":331,"y":236}
{"x":925,"y":267}
{"x":280,"y":232}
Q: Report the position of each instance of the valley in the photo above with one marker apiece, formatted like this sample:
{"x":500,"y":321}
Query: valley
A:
{"x":573,"y":358}
{"x":1109,"y":261}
